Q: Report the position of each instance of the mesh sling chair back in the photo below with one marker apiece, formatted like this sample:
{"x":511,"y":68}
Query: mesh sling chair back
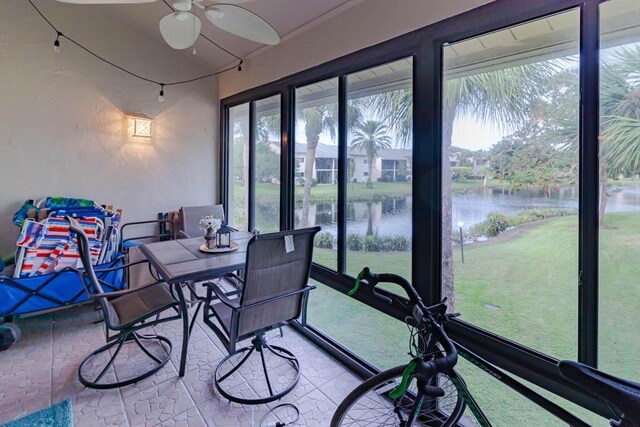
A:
{"x":190,"y":219}
{"x":125,"y":314}
{"x":274,"y":293}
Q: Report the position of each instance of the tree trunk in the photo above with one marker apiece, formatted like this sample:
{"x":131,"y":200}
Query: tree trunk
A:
{"x":604,"y":192}
{"x":370,"y":220}
{"x":312,"y":144}
{"x":448,"y":290}
{"x":369,"y":183}
{"x":485,"y":180}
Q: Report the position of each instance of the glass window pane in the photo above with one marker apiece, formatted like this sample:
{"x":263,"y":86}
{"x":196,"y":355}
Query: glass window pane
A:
{"x":238,"y":166}
{"x":619,"y":286}
{"x":369,"y":333}
{"x":510,"y":185}
{"x":316,"y":160}
{"x":380,"y":142}
{"x":267,"y":165}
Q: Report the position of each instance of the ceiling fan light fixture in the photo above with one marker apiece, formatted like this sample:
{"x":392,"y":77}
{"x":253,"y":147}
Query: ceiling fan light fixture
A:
{"x":180,"y":29}
{"x":182,"y":5}
{"x":181,"y":16}
{"x":213,"y":12}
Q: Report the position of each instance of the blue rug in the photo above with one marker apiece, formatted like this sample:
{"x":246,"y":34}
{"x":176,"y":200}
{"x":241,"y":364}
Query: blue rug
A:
{"x":58,"y":415}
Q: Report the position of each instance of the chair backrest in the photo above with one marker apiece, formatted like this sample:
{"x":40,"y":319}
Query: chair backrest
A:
{"x":190,"y":217}
{"x":93,"y":287}
{"x":277,"y":264}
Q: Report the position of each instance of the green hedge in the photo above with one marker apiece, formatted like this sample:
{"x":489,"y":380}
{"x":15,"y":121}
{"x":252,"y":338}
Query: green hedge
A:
{"x":497,"y":222}
{"x":371,"y":243}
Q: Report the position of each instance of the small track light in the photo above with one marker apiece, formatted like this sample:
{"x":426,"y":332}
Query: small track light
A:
{"x":56,"y":44}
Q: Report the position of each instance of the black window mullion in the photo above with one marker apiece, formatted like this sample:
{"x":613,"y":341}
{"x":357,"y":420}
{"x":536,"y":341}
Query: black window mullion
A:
{"x":291,"y":148}
{"x":285,"y":164}
{"x":251,"y":188}
{"x":588,"y":185}
{"x":342,"y":174}
{"x":427,"y":172}
{"x":223,"y":161}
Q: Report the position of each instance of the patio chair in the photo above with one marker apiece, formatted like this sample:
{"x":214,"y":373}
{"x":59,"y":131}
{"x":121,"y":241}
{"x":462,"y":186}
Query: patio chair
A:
{"x":125,"y":314}
{"x":273,"y":294}
{"x":190,"y":219}
{"x":166,"y":230}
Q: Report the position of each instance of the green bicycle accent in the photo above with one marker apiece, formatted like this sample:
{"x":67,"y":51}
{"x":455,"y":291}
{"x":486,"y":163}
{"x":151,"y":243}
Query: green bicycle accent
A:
{"x":402,"y":387}
{"x":357,"y":284}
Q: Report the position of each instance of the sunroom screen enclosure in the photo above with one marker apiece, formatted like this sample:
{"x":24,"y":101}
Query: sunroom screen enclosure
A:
{"x":509,"y":133}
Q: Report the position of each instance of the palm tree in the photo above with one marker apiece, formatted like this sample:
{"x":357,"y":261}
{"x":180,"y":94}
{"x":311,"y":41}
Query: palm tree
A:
{"x":318,"y":119}
{"x":371,"y":137}
{"x":620,"y":112}
{"x":503,"y":97}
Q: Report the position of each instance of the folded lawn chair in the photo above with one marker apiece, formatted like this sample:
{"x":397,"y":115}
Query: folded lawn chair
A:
{"x":47,"y":263}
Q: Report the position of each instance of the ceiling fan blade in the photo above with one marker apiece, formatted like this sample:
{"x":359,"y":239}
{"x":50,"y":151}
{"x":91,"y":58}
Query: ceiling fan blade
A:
{"x":106,"y":1}
{"x":180,"y":29}
{"x":242,"y":22}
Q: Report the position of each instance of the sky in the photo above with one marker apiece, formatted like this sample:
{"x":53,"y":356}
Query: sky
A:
{"x":473,"y":135}
{"x":467,"y":133}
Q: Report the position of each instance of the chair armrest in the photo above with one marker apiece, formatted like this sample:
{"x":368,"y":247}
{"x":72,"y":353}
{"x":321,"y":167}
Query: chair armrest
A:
{"x":121,"y":293}
{"x":180,"y":234}
{"x":221,"y":295}
{"x":304,"y":290}
{"x":119,"y":267}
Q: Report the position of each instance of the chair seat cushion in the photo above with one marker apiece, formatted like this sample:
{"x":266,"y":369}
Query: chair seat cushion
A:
{"x":133,"y":307}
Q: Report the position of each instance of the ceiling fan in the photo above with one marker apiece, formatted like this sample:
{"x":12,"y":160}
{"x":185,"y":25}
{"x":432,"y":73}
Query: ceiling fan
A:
{"x":180,"y":29}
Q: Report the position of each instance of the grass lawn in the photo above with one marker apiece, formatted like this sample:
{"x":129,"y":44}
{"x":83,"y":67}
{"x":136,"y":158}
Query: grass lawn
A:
{"x":531,"y":276}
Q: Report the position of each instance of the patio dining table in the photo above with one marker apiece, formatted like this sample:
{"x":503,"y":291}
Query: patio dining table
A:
{"x":181,"y":261}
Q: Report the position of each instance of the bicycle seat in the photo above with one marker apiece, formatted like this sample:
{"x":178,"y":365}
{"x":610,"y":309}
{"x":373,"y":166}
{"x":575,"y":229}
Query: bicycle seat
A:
{"x":621,"y":394}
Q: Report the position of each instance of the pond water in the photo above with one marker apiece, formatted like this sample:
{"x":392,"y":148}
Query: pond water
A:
{"x":393,"y":216}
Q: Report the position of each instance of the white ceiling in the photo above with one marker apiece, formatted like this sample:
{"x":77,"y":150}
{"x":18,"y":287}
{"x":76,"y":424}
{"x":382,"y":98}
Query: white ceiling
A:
{"x":286,"y":16}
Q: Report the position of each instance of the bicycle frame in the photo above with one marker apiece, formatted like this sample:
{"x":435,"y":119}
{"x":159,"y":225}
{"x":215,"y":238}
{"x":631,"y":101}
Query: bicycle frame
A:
{"x":521,"y":389}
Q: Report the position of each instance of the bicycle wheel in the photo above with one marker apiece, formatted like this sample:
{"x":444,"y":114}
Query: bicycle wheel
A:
{"x":369,"y":403}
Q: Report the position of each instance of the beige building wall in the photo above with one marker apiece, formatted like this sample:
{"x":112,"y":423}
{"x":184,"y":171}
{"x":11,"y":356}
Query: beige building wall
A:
{"x":63,"y":129}
{"x":367,"y":23}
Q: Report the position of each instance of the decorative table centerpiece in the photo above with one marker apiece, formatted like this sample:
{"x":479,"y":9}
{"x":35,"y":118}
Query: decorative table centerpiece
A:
{"x":210,"y":225}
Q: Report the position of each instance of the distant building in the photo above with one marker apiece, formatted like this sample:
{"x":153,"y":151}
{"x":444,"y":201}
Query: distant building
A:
{"x":393,"y":165}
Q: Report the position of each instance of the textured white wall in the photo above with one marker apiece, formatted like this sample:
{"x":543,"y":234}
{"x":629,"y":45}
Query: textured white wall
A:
{"x":365,"y":24}
{"x":62,"y":124}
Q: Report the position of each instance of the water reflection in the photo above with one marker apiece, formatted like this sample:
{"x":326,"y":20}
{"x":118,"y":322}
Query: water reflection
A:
{"x":392,"y":216}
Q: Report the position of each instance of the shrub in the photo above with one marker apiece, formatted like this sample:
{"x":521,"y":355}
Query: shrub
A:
{"x":373,"y":243}
{"x":400,"y":243}
{"x":324,"y":240}
{"x":495,"y":224}
{"x":354,"y":242}
{"x":461,"y":172}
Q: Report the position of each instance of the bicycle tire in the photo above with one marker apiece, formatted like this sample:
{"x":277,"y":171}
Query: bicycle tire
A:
{"x":383,"y":380}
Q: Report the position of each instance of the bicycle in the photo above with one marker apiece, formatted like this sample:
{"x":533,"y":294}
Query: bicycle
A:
{"x":429,"y":392}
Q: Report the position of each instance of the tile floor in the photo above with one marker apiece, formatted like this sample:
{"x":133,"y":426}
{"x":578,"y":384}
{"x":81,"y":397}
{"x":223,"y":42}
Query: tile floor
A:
{"x":41,"y":370}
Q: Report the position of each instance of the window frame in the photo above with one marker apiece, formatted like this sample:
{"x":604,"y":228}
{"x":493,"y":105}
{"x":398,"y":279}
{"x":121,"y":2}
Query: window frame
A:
{"x":425,"y":47}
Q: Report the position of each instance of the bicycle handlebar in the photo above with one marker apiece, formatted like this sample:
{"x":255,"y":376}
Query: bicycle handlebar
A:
{"x":436,"y":365}
{"x":374,"y":279}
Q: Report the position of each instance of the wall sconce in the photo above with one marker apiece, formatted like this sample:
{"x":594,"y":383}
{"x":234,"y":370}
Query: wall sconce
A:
{"x":139,"y":126}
